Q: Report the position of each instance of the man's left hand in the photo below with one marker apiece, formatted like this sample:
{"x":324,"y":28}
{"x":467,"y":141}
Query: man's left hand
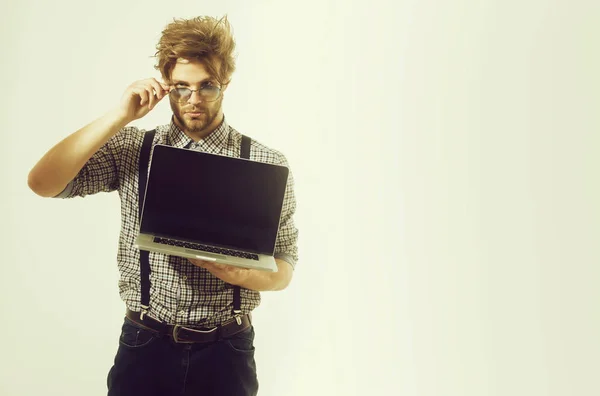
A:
{"x":227,"y":273}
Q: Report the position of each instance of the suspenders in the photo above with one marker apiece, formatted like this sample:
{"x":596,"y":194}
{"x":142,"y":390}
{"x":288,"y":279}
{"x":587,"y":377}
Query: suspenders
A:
{"x":144,"y":254}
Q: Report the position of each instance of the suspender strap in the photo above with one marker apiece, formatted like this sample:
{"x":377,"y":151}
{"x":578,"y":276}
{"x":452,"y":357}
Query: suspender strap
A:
{"x":144,"y":254}
{"x":245,"y":147}
{"x":237,"y":298}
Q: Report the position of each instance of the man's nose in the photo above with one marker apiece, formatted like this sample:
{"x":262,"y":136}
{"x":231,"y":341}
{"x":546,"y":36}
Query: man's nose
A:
{"x":195,"y":98}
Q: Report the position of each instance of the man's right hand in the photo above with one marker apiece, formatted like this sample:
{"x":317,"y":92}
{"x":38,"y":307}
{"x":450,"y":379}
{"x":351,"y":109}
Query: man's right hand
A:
{"x":141,"y":97}
{"x":62,"y":162}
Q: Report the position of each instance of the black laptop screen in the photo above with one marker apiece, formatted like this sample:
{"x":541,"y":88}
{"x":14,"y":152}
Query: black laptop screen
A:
{"x":213,"y":199}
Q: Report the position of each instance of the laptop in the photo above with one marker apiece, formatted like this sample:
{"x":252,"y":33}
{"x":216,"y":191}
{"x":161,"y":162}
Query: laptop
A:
{"x":212,"y":207}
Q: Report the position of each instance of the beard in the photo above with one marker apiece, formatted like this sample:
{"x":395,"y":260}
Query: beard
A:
{"x":198,"y":124}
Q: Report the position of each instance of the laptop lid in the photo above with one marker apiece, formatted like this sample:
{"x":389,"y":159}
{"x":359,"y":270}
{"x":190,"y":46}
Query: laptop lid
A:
{"x":213,"y":199}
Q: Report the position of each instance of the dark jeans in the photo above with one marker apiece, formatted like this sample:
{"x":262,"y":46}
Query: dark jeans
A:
{"x":148,"y":365}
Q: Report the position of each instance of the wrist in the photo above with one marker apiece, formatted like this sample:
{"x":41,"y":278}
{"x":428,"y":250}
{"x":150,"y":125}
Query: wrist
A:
{"x":118,"y":117}
{"x":259,"y":280}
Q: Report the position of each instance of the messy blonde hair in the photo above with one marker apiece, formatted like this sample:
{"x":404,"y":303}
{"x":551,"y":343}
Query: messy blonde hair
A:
{"x":203,"y":39}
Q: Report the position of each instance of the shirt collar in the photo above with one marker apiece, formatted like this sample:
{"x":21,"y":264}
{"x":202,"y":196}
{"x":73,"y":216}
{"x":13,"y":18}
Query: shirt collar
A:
{"x":213,"y":143}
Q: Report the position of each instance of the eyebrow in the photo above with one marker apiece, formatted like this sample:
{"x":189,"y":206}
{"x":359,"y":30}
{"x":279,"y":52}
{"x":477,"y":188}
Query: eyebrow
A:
{"x":181,"y":82}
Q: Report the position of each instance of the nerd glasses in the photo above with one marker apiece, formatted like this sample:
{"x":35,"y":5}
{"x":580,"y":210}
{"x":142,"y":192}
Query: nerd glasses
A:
{"x":208,"y":93}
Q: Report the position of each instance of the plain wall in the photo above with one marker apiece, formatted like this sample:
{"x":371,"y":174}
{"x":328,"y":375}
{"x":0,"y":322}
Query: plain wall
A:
{"x":446,"y":163}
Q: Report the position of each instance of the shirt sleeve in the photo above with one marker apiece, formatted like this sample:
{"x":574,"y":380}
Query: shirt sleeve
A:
{"x":100,"y":173}
{"x":286,"y":244}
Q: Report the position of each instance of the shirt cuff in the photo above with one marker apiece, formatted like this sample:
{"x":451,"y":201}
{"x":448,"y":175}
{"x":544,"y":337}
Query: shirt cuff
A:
{"x":287,"y":258}
{"x":67,"y":191}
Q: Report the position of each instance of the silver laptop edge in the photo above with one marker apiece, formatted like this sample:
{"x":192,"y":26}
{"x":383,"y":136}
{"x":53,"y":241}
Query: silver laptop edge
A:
{"x":264,"y":262}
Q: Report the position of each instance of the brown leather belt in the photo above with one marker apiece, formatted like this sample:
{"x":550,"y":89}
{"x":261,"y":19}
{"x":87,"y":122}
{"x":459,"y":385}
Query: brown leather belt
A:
{"x":188,"y":335}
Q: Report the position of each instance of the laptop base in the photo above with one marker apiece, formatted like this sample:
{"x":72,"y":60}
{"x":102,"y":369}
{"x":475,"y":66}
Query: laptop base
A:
{"x":264,"y":262}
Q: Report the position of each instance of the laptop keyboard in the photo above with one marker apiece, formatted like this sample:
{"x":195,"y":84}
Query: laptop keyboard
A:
{"x":204,"y":248}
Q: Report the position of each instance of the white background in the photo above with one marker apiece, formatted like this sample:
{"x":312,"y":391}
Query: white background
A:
{"x":446,"y":164}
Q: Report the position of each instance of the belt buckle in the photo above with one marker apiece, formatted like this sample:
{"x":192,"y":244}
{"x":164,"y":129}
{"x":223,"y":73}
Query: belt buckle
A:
{"x":176,"y":338}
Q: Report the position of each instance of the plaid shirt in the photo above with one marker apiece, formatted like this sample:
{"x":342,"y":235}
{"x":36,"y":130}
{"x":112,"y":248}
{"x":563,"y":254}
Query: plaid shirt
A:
{"x":180,"y":293}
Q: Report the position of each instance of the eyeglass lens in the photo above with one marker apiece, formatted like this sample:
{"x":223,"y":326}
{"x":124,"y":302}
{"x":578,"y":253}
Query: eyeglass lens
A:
{"x":184,"y":94}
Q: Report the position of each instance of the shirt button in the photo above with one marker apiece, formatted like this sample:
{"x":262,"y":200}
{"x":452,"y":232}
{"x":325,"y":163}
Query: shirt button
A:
{"x":184,"y":277}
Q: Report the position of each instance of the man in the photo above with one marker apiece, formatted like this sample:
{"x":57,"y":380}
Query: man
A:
{"x":195,"y":58}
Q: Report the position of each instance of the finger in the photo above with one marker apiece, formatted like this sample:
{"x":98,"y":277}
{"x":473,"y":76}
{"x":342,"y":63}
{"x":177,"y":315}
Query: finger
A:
{"x":143,"y":94}
{"x":223,"y":267}
{"x":200,"y":263}
{"x":161,"y":89}
{"x":195,"y":261}
{"x":151,"y":97}
{"x":158,"y":89}
{"x":165,"y":86}
{"x":211,"y":265}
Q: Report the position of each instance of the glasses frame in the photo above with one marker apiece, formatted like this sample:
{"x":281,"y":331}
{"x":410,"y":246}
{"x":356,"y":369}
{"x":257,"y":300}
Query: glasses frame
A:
{"x":174,"y":88}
